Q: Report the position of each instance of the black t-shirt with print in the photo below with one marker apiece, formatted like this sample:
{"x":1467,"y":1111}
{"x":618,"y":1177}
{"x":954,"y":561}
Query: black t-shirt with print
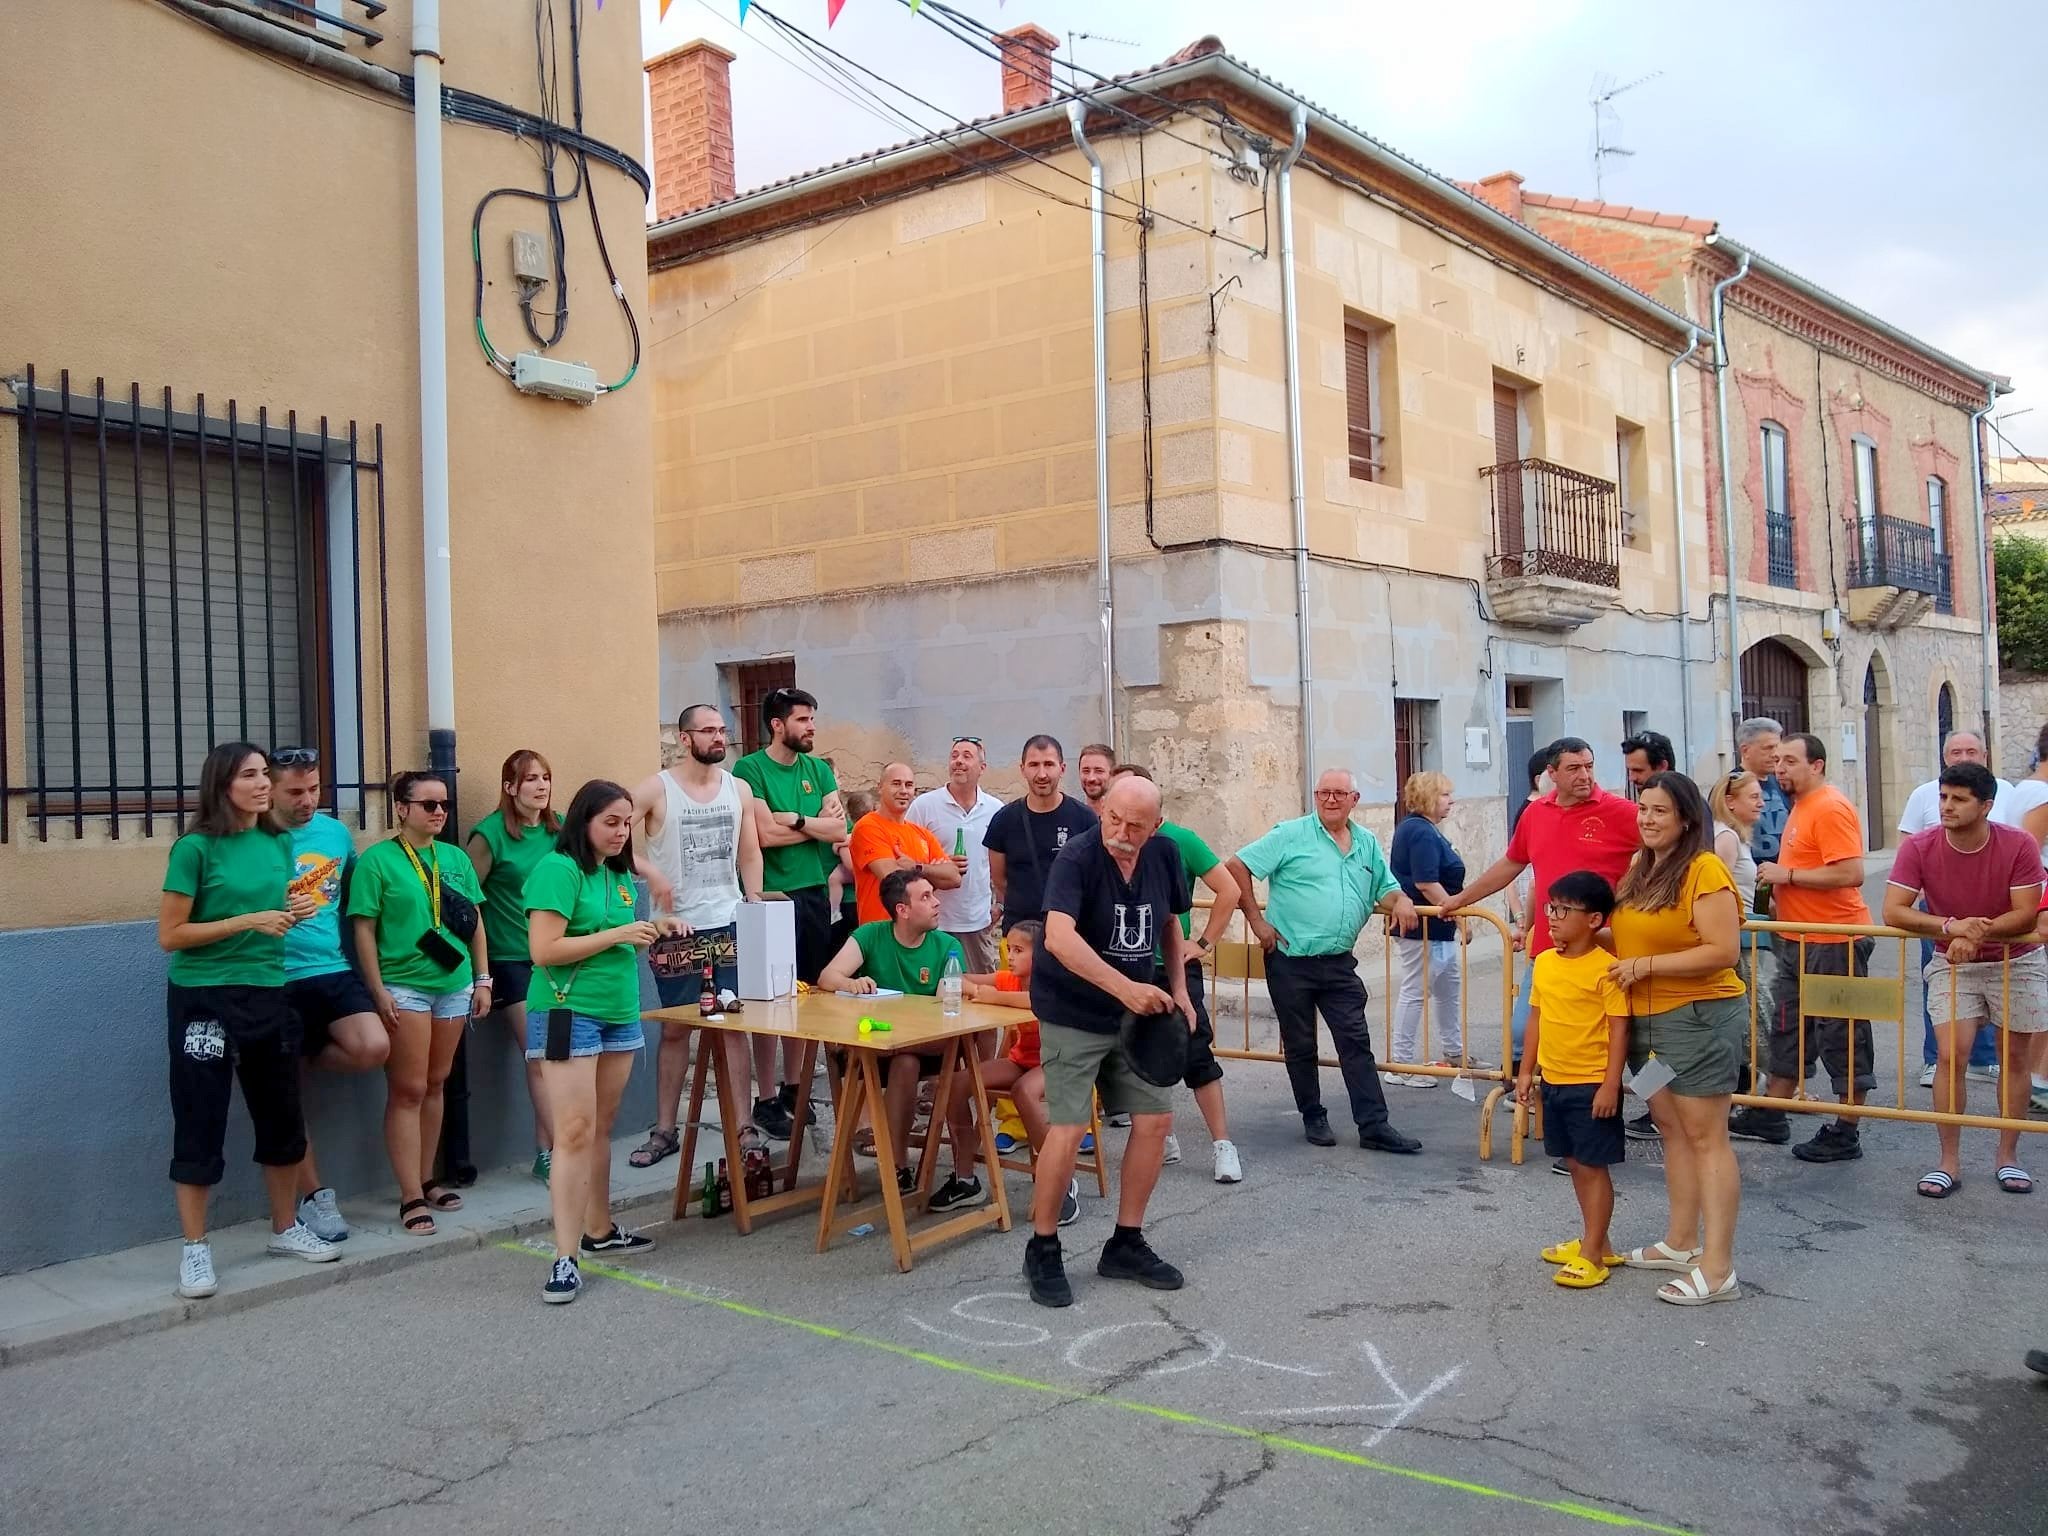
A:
{"x":1029,"y":841}
{"x":1122,"y":921}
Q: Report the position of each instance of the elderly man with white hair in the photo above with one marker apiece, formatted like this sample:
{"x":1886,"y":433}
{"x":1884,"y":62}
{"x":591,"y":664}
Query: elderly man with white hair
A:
{"x":1326,"y":875}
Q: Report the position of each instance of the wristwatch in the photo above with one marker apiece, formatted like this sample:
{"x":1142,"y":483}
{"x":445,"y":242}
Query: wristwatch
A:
{"x":798,"y":824}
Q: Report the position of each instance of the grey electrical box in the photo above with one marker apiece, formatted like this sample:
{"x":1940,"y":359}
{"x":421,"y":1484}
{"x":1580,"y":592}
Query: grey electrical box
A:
{"x":529,"y":257}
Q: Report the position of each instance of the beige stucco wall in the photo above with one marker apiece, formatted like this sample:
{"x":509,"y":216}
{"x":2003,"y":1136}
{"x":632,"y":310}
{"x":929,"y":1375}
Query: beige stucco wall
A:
{"x":187,"y":211}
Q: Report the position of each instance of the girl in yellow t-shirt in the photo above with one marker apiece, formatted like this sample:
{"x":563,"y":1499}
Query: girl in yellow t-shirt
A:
{"x":1677,"y":931}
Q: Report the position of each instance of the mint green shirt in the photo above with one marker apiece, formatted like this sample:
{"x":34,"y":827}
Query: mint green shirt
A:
{"x":1318,"y":896}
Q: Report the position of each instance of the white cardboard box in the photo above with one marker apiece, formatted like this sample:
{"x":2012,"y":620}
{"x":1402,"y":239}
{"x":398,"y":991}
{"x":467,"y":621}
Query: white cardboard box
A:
{"x":766,"y":940}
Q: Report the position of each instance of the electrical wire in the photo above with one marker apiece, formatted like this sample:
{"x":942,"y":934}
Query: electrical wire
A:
{"x":756,"y":286}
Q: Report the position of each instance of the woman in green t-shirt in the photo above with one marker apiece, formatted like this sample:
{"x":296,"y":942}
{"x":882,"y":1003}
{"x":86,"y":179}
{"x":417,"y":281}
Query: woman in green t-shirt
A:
{"x":420,"y":938}
{"x":505,"y":846}
{"x":223,"y":918}
{"x":583,"y":1017}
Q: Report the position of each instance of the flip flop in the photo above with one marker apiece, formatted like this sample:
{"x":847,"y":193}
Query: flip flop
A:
{"x":1580,"y":1273}
{"x":1660,"y":1255}
{"x":2015,"y":1180}
{"x":1693,"y":1291}
{"x":1939,"y":1184}
{"x":1569,"y":1249}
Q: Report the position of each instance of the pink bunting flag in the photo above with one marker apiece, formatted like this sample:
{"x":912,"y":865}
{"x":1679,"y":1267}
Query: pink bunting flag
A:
{"x":832,"y":10}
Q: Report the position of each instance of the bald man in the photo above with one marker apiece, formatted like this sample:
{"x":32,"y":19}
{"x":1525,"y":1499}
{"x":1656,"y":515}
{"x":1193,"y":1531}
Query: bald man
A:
{"x":1111,"y":898}
{"x":885,"y":841}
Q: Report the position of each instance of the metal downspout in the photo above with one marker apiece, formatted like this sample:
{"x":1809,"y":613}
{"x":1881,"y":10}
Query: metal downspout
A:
{"x":1297,"y":486}
{"x":438,"y":599}
{"x":1685,"y":758}
{"x":1983,"y":562}
{"x":1727,"y":483}
{"x":1077,"y":114}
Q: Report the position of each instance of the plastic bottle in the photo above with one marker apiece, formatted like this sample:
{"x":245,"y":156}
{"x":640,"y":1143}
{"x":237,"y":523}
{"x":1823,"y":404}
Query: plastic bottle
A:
{"x":949,"y":987}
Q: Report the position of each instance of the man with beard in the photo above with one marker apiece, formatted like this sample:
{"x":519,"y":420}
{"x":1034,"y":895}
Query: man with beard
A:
{"x":700,"y":853}
{"x":1096,"y":765}
{"x":1025,"y":836}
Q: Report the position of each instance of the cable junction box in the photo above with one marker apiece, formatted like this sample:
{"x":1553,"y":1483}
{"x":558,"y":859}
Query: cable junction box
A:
{"x":535,"y":374}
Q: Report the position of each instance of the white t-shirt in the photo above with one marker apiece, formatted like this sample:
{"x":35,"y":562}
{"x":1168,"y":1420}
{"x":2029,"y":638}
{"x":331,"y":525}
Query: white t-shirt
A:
{"x":969,"y":909}
{"x":1923,"y":807}
{"x":2011,"y":807}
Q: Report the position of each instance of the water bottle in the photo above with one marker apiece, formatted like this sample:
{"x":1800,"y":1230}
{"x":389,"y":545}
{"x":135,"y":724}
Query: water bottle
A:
{"x":949,"y":987}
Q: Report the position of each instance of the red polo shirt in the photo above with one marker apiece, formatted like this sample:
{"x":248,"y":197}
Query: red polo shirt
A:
{"x":1597,"y":834}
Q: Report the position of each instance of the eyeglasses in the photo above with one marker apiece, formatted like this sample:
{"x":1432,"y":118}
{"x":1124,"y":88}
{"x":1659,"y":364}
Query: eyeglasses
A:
{"x":430,"y":806}
{"x":1559,"y":908}
{"x":706,"y":730}
{"x":972,"y":741}
{"x":1336,"y":794}
{"x":295,"y":757}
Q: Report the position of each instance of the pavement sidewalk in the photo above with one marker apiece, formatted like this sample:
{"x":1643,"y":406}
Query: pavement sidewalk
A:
{"x":85,"y":1302}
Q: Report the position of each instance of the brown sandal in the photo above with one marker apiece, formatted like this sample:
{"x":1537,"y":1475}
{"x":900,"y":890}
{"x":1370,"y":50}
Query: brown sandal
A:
{"x":659,"y":1146}
{"x":417,"y":1217}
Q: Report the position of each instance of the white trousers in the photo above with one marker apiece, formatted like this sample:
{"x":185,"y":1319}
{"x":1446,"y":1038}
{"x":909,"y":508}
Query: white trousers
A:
{"x":1446,"y":1039}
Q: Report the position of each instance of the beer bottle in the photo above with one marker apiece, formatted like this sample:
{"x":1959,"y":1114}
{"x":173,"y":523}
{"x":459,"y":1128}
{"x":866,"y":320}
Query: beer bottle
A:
{"x":707,"y":1199}
{"x":707,"y":999}
{"x":959,"y":842}
{"x":724,"y":1189}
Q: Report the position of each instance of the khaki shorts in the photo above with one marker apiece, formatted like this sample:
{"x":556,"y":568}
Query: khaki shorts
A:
{"x":1978,"y":993}
{"x":1078,"y":1064}
{"x":1703,"y":1043}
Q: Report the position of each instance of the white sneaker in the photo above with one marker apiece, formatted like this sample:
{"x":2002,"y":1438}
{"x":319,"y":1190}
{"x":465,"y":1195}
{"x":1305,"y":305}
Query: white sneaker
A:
{"x":321,"y":1215}
{"x":1070,"y":1203}
{"x":1983,"y":1074}
{"x":298,"y":1242}
{"x":1927,"y":1076}
{"x":1228,"y":1169}
{"x":195,"y":1271}
{"x":1118,"y":1122}
{"x":1172,"y":1150}
{"x":1419,"y":1080}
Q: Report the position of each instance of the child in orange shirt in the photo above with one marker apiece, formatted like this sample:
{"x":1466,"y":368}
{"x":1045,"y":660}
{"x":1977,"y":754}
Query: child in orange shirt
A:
{"x":1018,"y":1075}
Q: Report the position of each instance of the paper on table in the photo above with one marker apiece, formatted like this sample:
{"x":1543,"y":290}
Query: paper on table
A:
{"x":1652,"y":1080}
{"x":878,"y":992}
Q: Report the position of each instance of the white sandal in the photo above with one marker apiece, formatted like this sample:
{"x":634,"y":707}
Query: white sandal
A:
{"x":1660,"y":1255}
{"x":1693,"y":1291}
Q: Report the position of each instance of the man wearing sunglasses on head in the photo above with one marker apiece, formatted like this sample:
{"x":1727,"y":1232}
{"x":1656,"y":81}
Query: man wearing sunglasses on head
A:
{"x":958,"y":815}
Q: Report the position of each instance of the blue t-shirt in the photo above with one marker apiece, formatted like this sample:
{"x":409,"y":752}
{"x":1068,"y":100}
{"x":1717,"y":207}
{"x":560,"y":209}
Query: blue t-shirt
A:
{"x":1422,"y":852}
{"x":321,"y":853}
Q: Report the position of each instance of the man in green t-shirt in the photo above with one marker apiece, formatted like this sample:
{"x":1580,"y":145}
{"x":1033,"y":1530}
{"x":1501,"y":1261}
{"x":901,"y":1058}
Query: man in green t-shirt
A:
{"x":801,"y":819}
{"x":908,"y":954}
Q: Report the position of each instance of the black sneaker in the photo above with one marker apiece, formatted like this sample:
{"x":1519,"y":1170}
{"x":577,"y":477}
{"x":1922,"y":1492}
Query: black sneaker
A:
{"x":1830,"y":1144}
{"x":786,"y":1096}
{"x":957,"y":1194}
{"x":1132,"y":1258}
{"x":1070,"y":1203}
{"x":773,"y":1119}
{"x":1315,"y":1124}
{"x":2037,"y":1361}
{"x":1766,"y":1125}
{"x":906,"y":1181}
{"x":564,"y":1281}
{"x":1045,"y":1273}
{"x":1384,"y":1138}
{"x":1563,"y":1166}
{"x":1642,"y":1128}
{"x":618,"y":1240}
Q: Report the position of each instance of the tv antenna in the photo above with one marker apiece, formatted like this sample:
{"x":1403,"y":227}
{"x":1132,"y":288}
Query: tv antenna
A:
{"x":1073,"y":76}
{"x":1604,"y":117}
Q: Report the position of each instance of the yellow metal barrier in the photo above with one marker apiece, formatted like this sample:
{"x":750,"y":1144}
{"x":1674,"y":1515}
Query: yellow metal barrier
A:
{"x":1243,"y":961}
{"x":1874,"y":999}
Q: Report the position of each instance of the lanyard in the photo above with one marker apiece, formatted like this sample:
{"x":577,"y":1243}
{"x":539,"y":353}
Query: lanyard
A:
{"x":434,"y":885}
{"x":562,"y":989}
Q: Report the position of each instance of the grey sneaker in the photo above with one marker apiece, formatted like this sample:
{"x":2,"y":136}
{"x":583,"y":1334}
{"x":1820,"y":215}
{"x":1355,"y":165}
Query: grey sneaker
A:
{"x":298,"y":1242}
{"x":195,"y":1271}
{"x":320,"y":1214}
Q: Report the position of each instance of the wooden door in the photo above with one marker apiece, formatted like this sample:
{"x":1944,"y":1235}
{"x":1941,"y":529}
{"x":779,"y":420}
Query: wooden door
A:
{"x":1509,"y":513}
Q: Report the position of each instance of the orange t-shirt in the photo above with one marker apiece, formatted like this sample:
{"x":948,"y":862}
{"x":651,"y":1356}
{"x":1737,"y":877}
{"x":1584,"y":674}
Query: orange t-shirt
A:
{"x":876,"y":836}
{"x":1823,"y":829}
{"x":1024,"y":1050}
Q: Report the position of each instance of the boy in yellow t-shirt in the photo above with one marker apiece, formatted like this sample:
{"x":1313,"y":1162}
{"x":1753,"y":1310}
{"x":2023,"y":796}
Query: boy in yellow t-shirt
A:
{"x":1578,"y":1035}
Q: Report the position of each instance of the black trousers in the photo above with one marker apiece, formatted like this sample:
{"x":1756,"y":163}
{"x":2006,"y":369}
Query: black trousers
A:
{"x":1302,"y":986}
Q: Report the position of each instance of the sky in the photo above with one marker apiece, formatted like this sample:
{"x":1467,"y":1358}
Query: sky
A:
{"x":1880,"y":149}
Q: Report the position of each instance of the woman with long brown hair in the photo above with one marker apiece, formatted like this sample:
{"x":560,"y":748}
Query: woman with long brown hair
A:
{"x":505,"y":847}
{"x":1677,"y":930}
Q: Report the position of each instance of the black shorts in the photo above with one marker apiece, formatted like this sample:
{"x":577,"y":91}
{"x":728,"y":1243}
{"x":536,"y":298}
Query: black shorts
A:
{"x":1203,"y":1067}
{"x":1570,"y":1128}
{"x":217,"y":1035}
{"x":814,"y":949}
{"x":510,"y":982}
{"x":317,"y":1001}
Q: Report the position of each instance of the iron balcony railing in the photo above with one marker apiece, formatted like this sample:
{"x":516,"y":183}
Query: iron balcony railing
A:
{"x":1784,"y":559}
{"x":1891,"y":552}
{"x":1553,"y":521}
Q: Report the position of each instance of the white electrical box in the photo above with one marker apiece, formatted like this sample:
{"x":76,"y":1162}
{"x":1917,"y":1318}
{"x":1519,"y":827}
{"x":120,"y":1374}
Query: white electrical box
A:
{"x":534,"y":374}
{"x":1478,"y":746}
{"x":1848,"y":743}
{"x":1831,"y":624}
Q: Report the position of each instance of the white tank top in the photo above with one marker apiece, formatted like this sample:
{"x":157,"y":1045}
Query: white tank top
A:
{"x":698,"y":849}
{"x":1744,"y":868}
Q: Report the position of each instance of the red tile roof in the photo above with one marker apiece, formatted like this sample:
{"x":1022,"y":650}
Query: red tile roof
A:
{"x":1622,"y":211}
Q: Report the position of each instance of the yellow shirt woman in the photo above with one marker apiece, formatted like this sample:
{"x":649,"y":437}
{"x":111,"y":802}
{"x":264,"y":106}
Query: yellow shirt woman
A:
{"x":1667,"y":932}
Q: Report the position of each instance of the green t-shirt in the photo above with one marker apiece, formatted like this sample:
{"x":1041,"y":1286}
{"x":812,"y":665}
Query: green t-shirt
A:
{"x":606,"y":986}
{"x":801,"y":787}
{"x":513,"y":861}
{"x":322,"y":851}
{"x":225,"y":877}
{"x":1196,"y":857}
{"x":915,"y":971}
{"x":386,"y":887}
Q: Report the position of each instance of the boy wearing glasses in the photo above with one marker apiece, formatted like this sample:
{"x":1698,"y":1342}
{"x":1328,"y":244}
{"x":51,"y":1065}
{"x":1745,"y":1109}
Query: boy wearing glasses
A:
{"x":1578,"y":1035}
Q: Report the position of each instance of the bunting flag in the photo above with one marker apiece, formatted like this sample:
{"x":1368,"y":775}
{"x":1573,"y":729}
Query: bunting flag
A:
{"x":743,"y":10}
{"x":832,"y":10}
{"x":914,"y":4}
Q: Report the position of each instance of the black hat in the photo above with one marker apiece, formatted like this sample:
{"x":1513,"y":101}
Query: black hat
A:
{"x":1155,"y":1045}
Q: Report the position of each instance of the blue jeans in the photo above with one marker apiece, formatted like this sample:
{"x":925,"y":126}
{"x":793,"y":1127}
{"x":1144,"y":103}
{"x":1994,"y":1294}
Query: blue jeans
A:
{"x":1983,"y":1051}
{"x":1520,"y":1026}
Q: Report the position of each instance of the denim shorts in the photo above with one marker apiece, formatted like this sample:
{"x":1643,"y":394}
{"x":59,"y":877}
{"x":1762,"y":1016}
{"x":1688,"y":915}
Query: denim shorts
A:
{"x":442,"y":1005}
{"x":587,"y":1036}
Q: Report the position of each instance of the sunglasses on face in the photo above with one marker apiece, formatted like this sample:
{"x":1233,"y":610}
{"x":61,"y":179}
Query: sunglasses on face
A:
{"x":429,"y":806}
{"x":295,"y":757}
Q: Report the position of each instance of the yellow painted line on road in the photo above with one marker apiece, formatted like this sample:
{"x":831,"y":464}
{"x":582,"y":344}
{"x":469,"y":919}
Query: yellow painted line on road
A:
{"x":1311,"y":1448}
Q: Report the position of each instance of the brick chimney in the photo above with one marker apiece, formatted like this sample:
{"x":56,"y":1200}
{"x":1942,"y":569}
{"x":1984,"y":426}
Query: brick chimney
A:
{"x":1503,"y":191}
{"x":1027,"y":66}
{"x":689,"y":104}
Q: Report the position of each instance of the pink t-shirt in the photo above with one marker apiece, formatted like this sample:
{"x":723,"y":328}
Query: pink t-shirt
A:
{"x":1597,"y":834}
{"x":1980,"y":884}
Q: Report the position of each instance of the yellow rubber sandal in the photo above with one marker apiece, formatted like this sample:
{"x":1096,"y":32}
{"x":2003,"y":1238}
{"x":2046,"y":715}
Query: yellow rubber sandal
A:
{"x":1581,"y":1274}
{"x":1566,"y":1251}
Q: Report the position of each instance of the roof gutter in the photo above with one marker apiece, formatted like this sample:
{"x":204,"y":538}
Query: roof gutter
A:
{"x":1762,"y":266}
{"x":1209,"y":67}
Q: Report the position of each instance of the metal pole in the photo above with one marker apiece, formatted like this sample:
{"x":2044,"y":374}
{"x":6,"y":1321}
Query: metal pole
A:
{"x":1990,"y":642}
{"x":1685,"y":759}
{"x":1077,"y":113}
{"x":1297,"y":479}
{"x":1727,"y":486}
{"x":439,"y":601}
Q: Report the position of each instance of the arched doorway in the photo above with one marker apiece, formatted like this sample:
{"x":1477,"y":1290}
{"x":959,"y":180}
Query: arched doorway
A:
{"x":1944,"y":720}
{"x":1774,"y":684}
{"x":1876,"y":695}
